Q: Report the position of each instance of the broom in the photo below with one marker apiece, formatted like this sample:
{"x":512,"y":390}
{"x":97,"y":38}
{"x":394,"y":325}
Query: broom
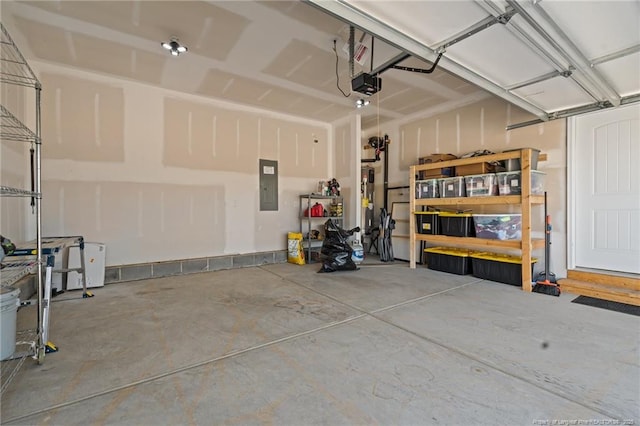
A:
{"x":546,"y":281}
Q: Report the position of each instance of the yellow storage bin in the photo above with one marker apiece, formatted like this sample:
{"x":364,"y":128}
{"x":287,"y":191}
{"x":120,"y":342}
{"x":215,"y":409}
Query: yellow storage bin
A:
{"x":457,"y":224}
{"x":502,"y":268}
{"x":449,"y":259}
{"x":427,"y":223}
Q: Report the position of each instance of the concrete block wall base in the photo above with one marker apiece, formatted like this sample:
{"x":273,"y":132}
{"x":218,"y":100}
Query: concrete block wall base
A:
{"x":141,"y":271}
{"x":124,"y":273}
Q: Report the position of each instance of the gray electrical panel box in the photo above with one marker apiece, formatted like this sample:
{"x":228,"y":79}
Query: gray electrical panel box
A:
{"x":268,"y":185}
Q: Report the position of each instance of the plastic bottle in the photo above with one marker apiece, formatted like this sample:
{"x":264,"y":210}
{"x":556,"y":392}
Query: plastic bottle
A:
{"x":358,"y":252}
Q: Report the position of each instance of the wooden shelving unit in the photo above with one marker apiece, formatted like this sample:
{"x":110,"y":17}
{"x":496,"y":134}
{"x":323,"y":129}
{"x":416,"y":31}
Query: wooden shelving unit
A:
{"x":525,"y":201}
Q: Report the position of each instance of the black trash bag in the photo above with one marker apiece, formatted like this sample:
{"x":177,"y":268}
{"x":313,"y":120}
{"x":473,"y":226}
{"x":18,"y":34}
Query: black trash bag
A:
{"x":336,"y":251}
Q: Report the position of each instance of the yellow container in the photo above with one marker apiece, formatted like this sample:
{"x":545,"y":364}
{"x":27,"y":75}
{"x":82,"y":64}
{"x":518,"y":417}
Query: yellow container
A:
{"x":449,"y":259}
{"x":427,"y":223}
{"x":457,"y":224}
{"x":450,"y":214}
{"x":502,"y":268}
{"x":450,"y":251}
{"x":497,"y":257}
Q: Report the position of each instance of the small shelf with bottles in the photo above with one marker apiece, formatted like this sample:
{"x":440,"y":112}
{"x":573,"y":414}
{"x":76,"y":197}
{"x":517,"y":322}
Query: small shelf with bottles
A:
{"x":310,"y":221}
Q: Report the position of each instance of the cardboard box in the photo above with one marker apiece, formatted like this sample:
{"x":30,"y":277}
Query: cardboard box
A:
{"x":475,"y":169}
{"x":435,"y":158}
{"x":437,"y":173}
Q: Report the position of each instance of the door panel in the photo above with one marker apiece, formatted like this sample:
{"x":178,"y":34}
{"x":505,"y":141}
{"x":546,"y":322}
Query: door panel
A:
{"x":607,"y":190}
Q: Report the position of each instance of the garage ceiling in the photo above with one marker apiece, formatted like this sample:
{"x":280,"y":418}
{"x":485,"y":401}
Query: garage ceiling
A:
{"x":552,"y":58}
{"x":279,"y":55}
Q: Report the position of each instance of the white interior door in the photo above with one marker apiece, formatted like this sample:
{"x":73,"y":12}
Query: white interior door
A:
{"x":606,"y":163}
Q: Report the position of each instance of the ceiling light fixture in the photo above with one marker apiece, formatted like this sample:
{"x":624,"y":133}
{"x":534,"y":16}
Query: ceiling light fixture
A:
{"x":361,"y":103}
{"x":174,"y":46}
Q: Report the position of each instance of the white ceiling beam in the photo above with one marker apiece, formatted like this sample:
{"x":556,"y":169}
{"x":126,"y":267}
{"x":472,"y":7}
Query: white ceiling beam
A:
{"x":570,"y":112}
{"x":474,"y":29}
{"x":539,"y":79}
{"x":615,"y":55}
{"x":368,"y":23}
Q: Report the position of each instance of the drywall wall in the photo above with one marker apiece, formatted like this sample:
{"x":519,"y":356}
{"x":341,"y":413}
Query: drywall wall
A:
{"x":82,"y":120}
{"x":160,"y":175}
{"x":480,"y":126}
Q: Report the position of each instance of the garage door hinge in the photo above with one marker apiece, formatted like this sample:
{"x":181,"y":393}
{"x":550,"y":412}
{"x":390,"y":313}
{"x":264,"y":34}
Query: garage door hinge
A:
{"x":506,"y":17}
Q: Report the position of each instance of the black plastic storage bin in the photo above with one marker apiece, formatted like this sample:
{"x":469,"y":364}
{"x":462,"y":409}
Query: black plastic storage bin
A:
{"x":457,"y":224}
{"x":427,"y":223}
{"x":448,"y":259}
{"x":499,"y":267}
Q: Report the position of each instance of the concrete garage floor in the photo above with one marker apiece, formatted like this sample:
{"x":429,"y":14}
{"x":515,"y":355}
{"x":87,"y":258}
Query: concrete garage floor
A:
{"x":283,"y":345}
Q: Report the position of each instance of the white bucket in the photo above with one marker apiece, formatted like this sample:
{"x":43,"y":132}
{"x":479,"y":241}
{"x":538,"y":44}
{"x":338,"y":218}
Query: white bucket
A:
{"x":9,"y":302}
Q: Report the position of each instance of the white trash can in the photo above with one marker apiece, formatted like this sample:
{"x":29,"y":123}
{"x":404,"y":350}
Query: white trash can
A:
{"x":9,"y":302}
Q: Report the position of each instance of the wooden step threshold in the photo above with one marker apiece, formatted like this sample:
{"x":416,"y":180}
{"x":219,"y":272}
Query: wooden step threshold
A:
{"x":600,"y":291}
{"x":622,"y":281}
